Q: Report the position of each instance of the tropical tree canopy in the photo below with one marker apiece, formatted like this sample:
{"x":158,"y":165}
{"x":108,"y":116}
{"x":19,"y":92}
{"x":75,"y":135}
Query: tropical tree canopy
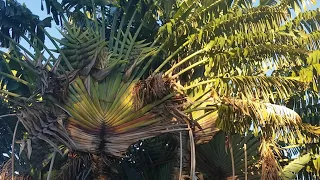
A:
{"x":160,"y":89}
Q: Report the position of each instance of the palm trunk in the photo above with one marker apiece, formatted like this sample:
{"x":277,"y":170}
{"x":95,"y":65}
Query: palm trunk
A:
{"x":232,"y":158}
{"x":98,"y":168}
{"x":245,"y":161}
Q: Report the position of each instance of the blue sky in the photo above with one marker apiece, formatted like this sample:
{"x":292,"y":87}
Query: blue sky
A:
{"x":35,"y":7}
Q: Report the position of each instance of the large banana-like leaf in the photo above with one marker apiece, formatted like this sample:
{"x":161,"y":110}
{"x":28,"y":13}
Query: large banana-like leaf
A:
{"x":290,"y":170}
{"x":278,"y":121}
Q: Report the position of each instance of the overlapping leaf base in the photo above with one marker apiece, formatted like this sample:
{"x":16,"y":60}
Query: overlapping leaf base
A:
{"x":104,"y":119}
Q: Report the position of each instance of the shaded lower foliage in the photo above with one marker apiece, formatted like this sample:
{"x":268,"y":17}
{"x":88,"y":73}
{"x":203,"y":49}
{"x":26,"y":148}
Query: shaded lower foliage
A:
{"x":151,"y":158}
{"x":214,"y":158}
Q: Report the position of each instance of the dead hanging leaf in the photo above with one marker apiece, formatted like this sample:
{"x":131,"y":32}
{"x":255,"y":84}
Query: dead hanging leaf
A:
{"x":22,"y":146}
{"x":215,"y":96}
{"x":128,"y":73}
{"x":43,"y":122}
{"x":275,"y":119}
{"x":29,"y":148}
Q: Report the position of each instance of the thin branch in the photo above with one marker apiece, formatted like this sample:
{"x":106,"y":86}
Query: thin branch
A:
{"x":30,"y":43}
{"x":12,"y":94}
{"x":64,"y":58}
{"x":200,"y":83}
{"x":7,"y":115}
{"x":51,"y":164}
{"x":245,"y":159}
{"x":190,"y":67}
{"x":113,"y":29}
{"x":16,"y":79}
{"x":193,"y":155}
{"x":88,"y":173}
{"x":170,"y":57}
{"x":181,"y":157}
{"x":22,"y":63}
{"x":103,"y":24}
{"x":19,"y":45}
{"x":142,"y":71}
{"x":232,"y":157}
{"x":183,"y":61}
{"x":12,"y":150}
{"x":45,"y":47}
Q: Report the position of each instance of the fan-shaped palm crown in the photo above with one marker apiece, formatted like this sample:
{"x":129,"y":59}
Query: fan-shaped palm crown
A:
{"x":205,"y":66}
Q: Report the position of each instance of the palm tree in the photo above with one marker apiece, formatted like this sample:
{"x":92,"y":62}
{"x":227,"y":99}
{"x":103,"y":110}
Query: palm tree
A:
{"x":149,"y":83}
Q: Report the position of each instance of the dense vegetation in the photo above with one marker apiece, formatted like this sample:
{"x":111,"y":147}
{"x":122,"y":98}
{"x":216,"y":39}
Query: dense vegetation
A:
{"x":160,"y":89}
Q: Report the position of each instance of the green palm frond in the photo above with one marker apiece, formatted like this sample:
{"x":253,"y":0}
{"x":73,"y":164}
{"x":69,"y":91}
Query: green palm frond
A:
{"x":246,"y":60}
{"x":307,"y":21}
{"x":264,"y":18}
{"x":87,"y":50}
{"x":81,"y":47}
{"x":252,"y":87}
{"x":253,"y":38}
{"x":252,"y":94}
{"x":306,"y":105}
{"x":311,"y":74}
{"x":297,"y":6}
{"x":311,"y":40}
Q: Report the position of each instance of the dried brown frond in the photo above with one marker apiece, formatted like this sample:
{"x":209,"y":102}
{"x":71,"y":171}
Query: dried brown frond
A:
{"x":270,"y":167}
{"x":238,"y":115}
{"x":6,"y":172}
{"x":266,"y":113}
{"x":46,"y":122}
{"x":156,"y":88}
{"x":206,"y":128}
{"x":103,"y":58}
{"x":47,"y":81}
{"x":232,"y":178}
{"x":172,"y":110}
{"x":151,"y":89}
